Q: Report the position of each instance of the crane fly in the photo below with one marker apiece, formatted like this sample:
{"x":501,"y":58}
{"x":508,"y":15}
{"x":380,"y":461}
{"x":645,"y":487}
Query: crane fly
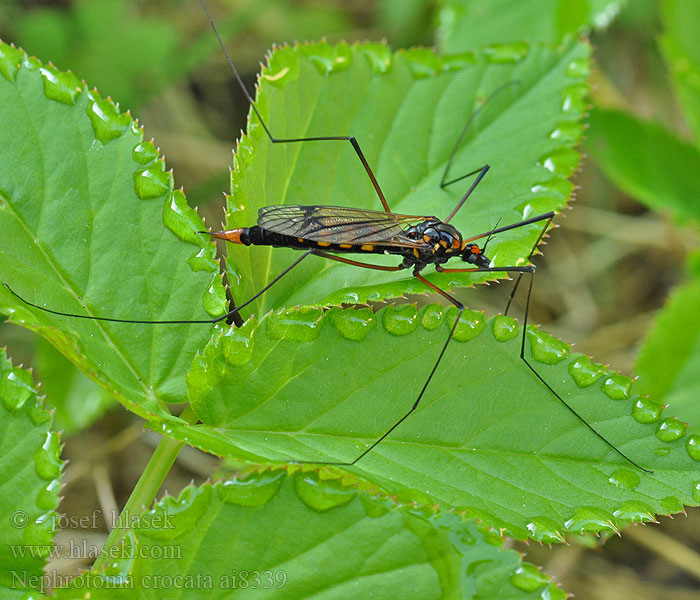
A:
{"x":330,"y":232}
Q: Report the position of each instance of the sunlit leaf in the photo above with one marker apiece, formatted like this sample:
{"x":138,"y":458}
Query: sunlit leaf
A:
{"x":487,"y":437}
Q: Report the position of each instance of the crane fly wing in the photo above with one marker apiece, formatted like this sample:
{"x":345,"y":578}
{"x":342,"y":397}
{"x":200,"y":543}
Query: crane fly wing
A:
{"x":339,"y":224}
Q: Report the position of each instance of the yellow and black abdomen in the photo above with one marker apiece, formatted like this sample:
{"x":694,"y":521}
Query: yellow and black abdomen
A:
{"x":259,"y":236}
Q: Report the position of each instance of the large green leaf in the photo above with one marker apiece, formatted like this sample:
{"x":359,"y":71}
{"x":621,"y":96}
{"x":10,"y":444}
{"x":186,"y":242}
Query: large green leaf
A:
{"x":468,"y":24}
{"x":271,"y":535}
{"x":647,"y":162}
{"x":487,"y":437}
{"x":83,"y":202}
{"x":681,"y":48}
{"x":407,"y":111}
{"x":669,"y":362}
{"x":30,"y":467}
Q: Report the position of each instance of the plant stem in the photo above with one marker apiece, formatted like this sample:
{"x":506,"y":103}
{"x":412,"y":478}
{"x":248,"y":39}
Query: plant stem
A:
{"x":145,"y":490}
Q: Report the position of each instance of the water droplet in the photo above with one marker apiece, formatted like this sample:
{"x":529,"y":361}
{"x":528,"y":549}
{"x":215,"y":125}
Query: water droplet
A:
{"x":39,"y":533}
{"x":670,"y":505}
{"x":588,"y":519}
{"x":431,"y":316}
{"x":200,"y":379}
{"x":235,"y":344}
{"x":204,"y":260}
{"x":47,"y":498}
{"x":328,"y":58}
{"x":556,"y":188}
{"x":422,"y":62}
{"x":378,"y":56}
{"x":662,"y":451}
{"x":504,"y":328}
{"x":693,"y":446}
{"x":116,"y":572}
{"x":646,"y":411}
{"x":322,"y":495}
{"x":457,"y":62}
{"x":301,"y":324}
{"x":107,"y":122}
{"x":152,"y":182}
{"x":171,"y":517}
{"x":671,"y":429}
{"x":47,"y":462}
{"x":400,"y":319}
{"x":245,"y":149}
{"x":214,"y":298}
{"x":568,"y":132}
{"x":578,"y":68}
{"x":376,"y":507}
{"x":182,"y":220}
{"x":144,"y":153}
{"x":282,"y":67}
{"x":545,"y":348}
{"x":625,"y":479}
{"x":528,"y":578}
{"x":545,"y":531}
{"x":586,"y":373}
{"x":617,"y":387}
{"x":552,"y":592}
{"x":10,"y":59}
{"x":575,"y":98}
{"x":635,"y":512}
{"x":696,"y":492}
{"x":471,"y":324}
{"x":61,"y":87}
{"x":562,"y":162}
{"x":353,"y":324}
{"x":16,"y":387}
{"x":506,"y":53}
{"x":256,"y":489}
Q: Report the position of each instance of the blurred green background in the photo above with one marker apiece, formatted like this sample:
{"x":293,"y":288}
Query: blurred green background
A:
{"x":620,"y":277}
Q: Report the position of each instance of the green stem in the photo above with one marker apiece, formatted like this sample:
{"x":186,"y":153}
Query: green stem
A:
{"x":145,"y":490}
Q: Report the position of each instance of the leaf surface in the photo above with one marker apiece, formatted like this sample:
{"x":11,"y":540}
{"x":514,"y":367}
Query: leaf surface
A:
{"x":487,"y":437}
{"x":406,"y":110}
{"x":84,"y":204}
{"x":271,"y":535}
{"x":469,"y":24}
{"x":30,"y":464}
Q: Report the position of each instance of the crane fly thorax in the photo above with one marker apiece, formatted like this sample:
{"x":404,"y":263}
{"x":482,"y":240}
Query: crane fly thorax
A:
{"x":442,"y":240}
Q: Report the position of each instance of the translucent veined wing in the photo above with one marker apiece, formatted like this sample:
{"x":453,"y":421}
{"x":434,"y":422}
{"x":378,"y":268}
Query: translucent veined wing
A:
{"x":340,"y":224}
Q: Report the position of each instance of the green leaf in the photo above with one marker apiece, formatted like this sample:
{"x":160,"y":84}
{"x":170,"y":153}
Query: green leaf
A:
{"x":681,"y":49}
{"x":407,"y":110}
{"x":301,"y":386}
{"x":77,"y":401}
{"x":469,"y":24}
{"x":271,"y":535}
{"x":83,"y":204}
{"x":31,"y":467}
{"x":110,"y":57}
{"x":669,"y":362}
{"x":647,"y":162}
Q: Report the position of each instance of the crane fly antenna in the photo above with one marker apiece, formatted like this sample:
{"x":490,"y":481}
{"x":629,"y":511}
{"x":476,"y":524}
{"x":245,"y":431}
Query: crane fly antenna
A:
{"x":488,"y":239}
{"x":460,"y":138}
{"x":275,"y":140}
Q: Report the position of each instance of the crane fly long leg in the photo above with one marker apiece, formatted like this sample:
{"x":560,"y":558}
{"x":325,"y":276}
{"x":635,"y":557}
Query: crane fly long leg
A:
{"x":481,"y":171}
{"x":354,"y":263}
{"x":230,"y":313}
{"x":529,"y":257}
{"x":344,"y":138}
{"x":556,"y":395}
